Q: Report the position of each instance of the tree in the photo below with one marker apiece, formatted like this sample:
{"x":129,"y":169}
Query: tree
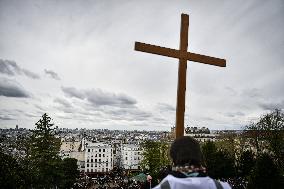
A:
{"x":219,"y":163}
{"x":246,"y":163}
{"x":227,"y":142}
{"x":14,"y":172}
{"x":155,"y":157}
{"x":44,"y":157}
{"x":11,"y":173}
{"x":273,"y":125}
{"x":35,"y":161}
{"x":209,"y":150}
{"x":268,"y":134}
{"x":265,"y":174}
{"x":69,"y":172}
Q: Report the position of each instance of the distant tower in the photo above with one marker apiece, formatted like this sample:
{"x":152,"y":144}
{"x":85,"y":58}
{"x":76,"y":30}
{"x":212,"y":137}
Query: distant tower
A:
{"x":17,"y":127}
{"x":173,"y":132}
{"x":83,"y":143}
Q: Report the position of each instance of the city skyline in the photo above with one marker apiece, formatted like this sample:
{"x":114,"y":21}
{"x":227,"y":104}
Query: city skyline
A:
{"x":75,"y":60}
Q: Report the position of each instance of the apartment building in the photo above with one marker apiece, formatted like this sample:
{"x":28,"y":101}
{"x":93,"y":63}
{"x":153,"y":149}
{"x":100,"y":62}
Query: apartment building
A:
{"x":98,"y":157}
{"x":131,"y":156}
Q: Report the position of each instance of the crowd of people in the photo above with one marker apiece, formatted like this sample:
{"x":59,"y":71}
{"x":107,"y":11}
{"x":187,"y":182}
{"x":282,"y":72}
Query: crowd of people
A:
{"x":117,"y":179}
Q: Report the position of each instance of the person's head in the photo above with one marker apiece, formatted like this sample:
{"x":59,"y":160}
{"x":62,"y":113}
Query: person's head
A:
{"x":186,"y":151}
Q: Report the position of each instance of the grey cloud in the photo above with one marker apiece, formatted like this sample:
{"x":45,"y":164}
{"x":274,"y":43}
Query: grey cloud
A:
{"x":52,"y":74}
{"x":11,"y":68}
{"x":165,"y":107}
{"x":29,"y":114}
{"x":62,"y":102}
{"x":30,"y":74}
{"x":234,"y":114}
{"x":6,"y":117}
{"x":132,"y":114}
{"x":252,"y":92}
{"x":231,"y":91}
{"x":40,"y":107}
{"x":272,"y":105}
{"x":207,"y":119}
{"x":72,"y":92}
{"x":103,"y":105}
{"x":98,"y":97}
{"x":65,"y":106}
{"x":101,"y":98}
{"x":10,"y":88}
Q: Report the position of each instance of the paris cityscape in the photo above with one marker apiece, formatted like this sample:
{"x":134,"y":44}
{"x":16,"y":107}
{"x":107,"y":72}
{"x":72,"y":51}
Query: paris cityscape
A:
{"x":103,"y":158}
{"x":128,"y":94}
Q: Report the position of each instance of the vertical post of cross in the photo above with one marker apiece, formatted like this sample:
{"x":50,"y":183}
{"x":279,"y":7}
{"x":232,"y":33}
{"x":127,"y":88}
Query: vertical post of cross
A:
{"x":181,"y":86}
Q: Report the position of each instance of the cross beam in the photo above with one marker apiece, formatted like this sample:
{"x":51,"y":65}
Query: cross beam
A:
{"x":183,"y":57}
{"x":173,"y":53}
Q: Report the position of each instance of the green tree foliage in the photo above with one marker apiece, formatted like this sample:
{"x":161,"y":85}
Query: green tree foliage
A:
{"x":219,"y":163}
{"x":265,"y":174}
{"x":268,"y":134}
{"x":227,"y":142}
{"x":44,"y":154}
{"x":273,"y":125}
{"x":155,"y":156}
{"x":11,"y":173}
{"x":246,"y":163}
{"x":209,"y":149}
{"x":69,"y":172}
{"x":254,"y":134}
{"x":35,"y":161}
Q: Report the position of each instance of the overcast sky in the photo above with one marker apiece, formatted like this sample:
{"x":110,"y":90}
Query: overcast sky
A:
{"x":75,"y":60}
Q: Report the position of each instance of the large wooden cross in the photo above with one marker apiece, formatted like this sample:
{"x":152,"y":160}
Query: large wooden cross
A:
{"x":183,"y":56}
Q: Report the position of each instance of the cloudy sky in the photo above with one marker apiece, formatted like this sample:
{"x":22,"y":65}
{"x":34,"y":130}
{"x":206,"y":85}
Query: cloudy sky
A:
{"x":75,"y":60}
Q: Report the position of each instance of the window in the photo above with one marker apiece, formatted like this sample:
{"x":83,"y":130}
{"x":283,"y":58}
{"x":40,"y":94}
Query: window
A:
{"x":103,"y":169}
{"x":99,"y":150}
{"x":106,"y":169}
{"x":91,"y":170}
{"x":87,"y":165}
{"x":87,"y":160}
{"x":87,"y":170}
{"x":104,"y":150}
{"x":91,"y":165}
{"x":88,"y":150}
{"x":95,"y":160}
{"x":99,"y":155}
{"x":95,"y":165}
{"x":125,"y":158}
{"x":107,"y":164}
{"x":103,"y":155}
{"x":91,"y":160}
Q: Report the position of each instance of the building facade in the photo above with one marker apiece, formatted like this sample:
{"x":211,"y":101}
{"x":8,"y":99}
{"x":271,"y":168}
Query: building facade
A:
{"x":131,"y":156}
{"x":98,"y":157}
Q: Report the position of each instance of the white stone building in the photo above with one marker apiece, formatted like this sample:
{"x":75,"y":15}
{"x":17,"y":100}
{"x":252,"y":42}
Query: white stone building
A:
{"x":98,"y":157}
{"x":131,"y":156}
